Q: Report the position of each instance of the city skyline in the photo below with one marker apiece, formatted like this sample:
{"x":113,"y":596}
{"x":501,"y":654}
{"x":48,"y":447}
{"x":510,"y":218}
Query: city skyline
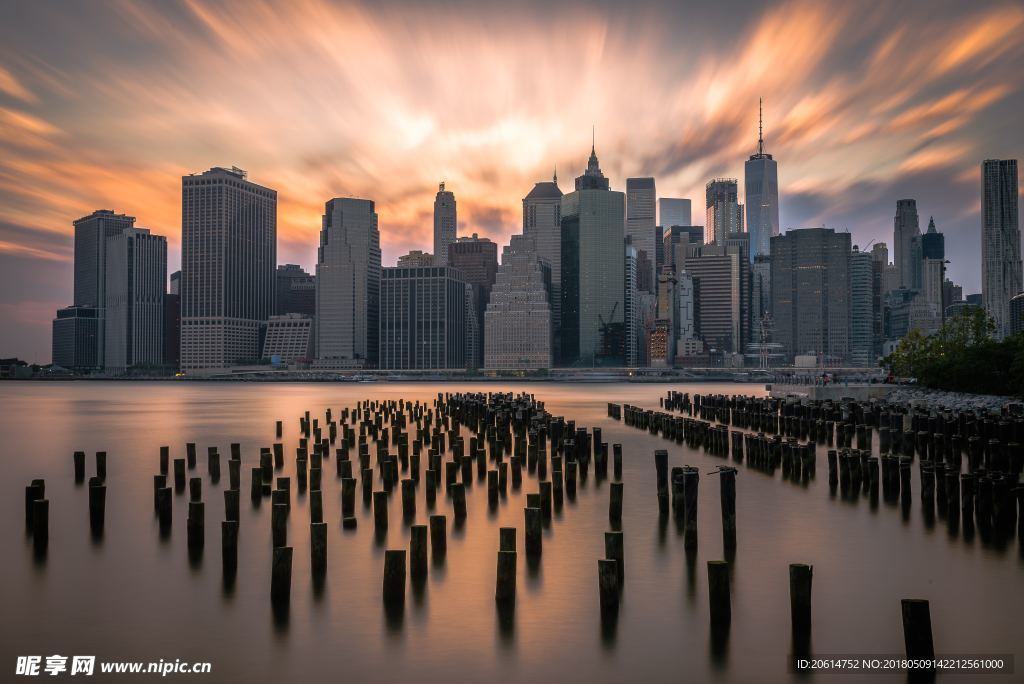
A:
{"x":901,"y":119}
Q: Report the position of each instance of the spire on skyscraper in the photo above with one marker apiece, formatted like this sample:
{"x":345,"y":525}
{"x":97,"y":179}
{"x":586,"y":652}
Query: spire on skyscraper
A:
{"x":931,"y":224}
{"x":760,"y":125}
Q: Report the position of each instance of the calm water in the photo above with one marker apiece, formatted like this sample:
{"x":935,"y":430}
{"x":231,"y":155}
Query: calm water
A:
{"x":135,"y":596}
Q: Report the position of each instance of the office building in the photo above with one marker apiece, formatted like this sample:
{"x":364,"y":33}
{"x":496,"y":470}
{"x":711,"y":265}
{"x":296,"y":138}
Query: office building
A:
{"x":640,"y":227}
{"x":90,"y":273}
{"x":1001,"y":276}
{"x":678,"y":240}
{"x":445,"y":224}
{"x":1016,"y":308}
{"x":951,"y":292}
{"x":661,"y":349}
{"x":289,"y":339}
{"x":933,"y":269}
{"x":542,"y":223}
{"x":422,"y":318}
{"x":76,"y":333}
{"x":593,"y":271}
{"x":175,"y":287}
{"x":136,"y":282}
{"x":172,"y":330}
{"x":673,"y":211}
{"x":906,"y":242}
{"x":724,"y":213}
{"x":416,"y":259}
{"x":228,"y":264}
{"x":761,"y":183}
{"x":862,"y":314}
{"x":811,"y":293}
{"x":477,"y":259}
{"x":296,"y":291}
{"x":348,"y":284}
{"x":635,"y":334}
{"x":721,"y":283}
{"x":517,"y":322}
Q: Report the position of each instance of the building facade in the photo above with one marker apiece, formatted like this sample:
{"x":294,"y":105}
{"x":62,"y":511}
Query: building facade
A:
{"x":422,"y":318}
{"x":674,"y":211}
{"x":593,"y":271}
{"x":641,"y":203}
{"x":517,"y":322}
{"x":906,"y":242}
{"x":862,"y":319}
{"x":477,"y":259}
{"x":228,"y":264}
{"x":811,"y":293}
{"x":724,"y":213}
{"x":721,"y":284}
{"x":136,"y":282}
{"x":1001,"y":274}
{"x":445,"y":224}
{"x":761,"y":183}
{"x":542,"y":223}
{"x":348,"y":284}
{"x":296,"y":291}
{"x":289,"y":339}
{"x":76,"y":334}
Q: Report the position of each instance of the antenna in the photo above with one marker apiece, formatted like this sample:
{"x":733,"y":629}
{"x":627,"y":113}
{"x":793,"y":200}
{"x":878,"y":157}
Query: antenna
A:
{"x":760,"y":125}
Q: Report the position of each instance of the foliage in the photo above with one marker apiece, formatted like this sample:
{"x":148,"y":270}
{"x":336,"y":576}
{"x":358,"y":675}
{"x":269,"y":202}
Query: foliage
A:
{"x":962,"y":357}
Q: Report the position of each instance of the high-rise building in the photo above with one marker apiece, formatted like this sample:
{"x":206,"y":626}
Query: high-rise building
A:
{"x":517,"y":322}
{"x":348,"y":284}
{"x":933,"y":269}
{"x":674,"y":211}
{"x":76,"y":332}
{"x":906,"y":245}
{"x":593,"y":271}
{"x":416,"y":259}
{"x":635,"y":348}
{"x":1016,"y":309}
{"x":422,"y":318}
{"x":445,"y":224}
{"x":640,"y":224}
{"x":761,"y":182}
{"x":296,"y":291}
{"x":721,"y":283}
{"x":811,"y":293}
{"x":760,"y":295}
{"x":172,"y":328}
{"x":661,"y":349}
{"x":91,"y":234}
{"x":136,"y":282}
{"x":724,"y":213}
{"x":542,"y":223}
{"x":175,"y":288}
{"x":862,"y":320}
{"x":289,"y":339}
{"x":951,"y":292}
{"x":477,"y":259}
{"x":228,"y":260}
{"x":1001,"y":275}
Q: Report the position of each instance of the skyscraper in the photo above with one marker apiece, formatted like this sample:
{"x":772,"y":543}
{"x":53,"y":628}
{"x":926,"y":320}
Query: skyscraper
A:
{"x":635,"y":355}
{"x":906,"y":252}
{"x":933,"y":269}
{"x":724,"y":213}
{"x":593,"y":271}
{"x":422,"y":318}
{"x":862,"y":320}
{"x":348,"y":284}
{"x":76,"y":333}
{"x":296,"y":291}
{"x":761,"y":181}
{"x":811,"y":293}
{"x":517,"y":323}
{"x":721,"y":283}
{"x":91,"y":234}
{"x":673,"y":211}
{"x":1001,"y":277}
{"x":228,"y":259}
{"x":542,"y":223}
{"x":640,"y":224}
{"x":445,"y":224}
{"x":136,"y":281}
{"x":477,"y":259}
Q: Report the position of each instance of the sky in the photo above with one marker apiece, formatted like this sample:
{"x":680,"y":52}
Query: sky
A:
{"x":106,"y":104}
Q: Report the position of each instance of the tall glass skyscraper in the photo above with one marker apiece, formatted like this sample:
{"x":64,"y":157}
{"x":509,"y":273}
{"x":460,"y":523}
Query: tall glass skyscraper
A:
{"x":445,"y":224}
{"x":136,"y":280}
{"x":228,"y":260}
{"x":640,"y":225}
{"x":724,"y":213}
{"x":348,"y":284}
{"x":906,"y":243}
{"x":761,"y":181}
{"x":673,"y":211}
{"x":542,"y":223}
{"x":1000,"y":240}
{"x":593,"y":271}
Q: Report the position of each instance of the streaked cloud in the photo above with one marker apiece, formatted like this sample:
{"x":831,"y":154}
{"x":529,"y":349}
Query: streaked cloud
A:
{"x":863,"y":103}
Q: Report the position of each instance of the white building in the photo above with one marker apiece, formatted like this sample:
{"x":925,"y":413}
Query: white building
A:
{"x":228,"y":264}
{"x":348,"y":284}
{"x":136,"y":280}
{"x":445,"y":224}
{"x":518,"y":317}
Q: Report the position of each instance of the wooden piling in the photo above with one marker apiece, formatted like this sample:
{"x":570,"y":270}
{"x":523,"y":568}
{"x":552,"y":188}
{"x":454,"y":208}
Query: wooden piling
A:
{"x":727,"y":481}
{"x":615,"y":502}
{"x":718,"y":593}
{"x":608,"y":585}
{"x":97,"y":504}
{"x":534,"y":542}
{"x":438,"y":535}
{"x":281,"y":574}
{"x":800,"y":576}
{"x":279,"y":524}
{"x":418,"y":551}
{"x":505,"y":585}
{"x":615,"y":549}
{"x":318,"y":548}
{"x":79,"y":459}
{"x":917,"y":629}
{"x":231,"y":505}
{"x":229,"y":546}
{"x":394,"y":576}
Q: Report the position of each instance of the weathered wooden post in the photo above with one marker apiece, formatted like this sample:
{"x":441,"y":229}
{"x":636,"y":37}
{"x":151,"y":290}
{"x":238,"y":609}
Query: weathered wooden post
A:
{"x":318,"y":548}
{"x":195,"y":526}
{"x":691,"y":478}
{"x":534,"y":543}
{"x":718,"y":593}
{"x":97,"y":504}
{"x":40,"y":524}
{"x":459,"y":500}
{"x":615,"y":549}
{"x":281,"y":575}
{"x":505,"y":585}
{"x":545,"y":499}
{"x":917,"y":630}
{"x":234,"y":474}
{"x":394,"y":576}
{"x":800,"y":576}
{"x":179,"y":474}
{"x":615,"y":502}
{"x":418,"y":551}
{"x":163,"y":507}
{"x":380,"y":511}
{"x":101,"y":465}
{"x":190,"y":454}
{"x":231,"y":505}
{"x":33,"y":492}
{"x":229,"y":546}
{"x":438,"y":536}
{"x":279,"y":524}
{"x":661,"y":465}
{"x":408,"y":499}
{"x":608,"y":584}
{"x":617,"y":461}
{"x":195,"y":489}
{"x":728,"y":495}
